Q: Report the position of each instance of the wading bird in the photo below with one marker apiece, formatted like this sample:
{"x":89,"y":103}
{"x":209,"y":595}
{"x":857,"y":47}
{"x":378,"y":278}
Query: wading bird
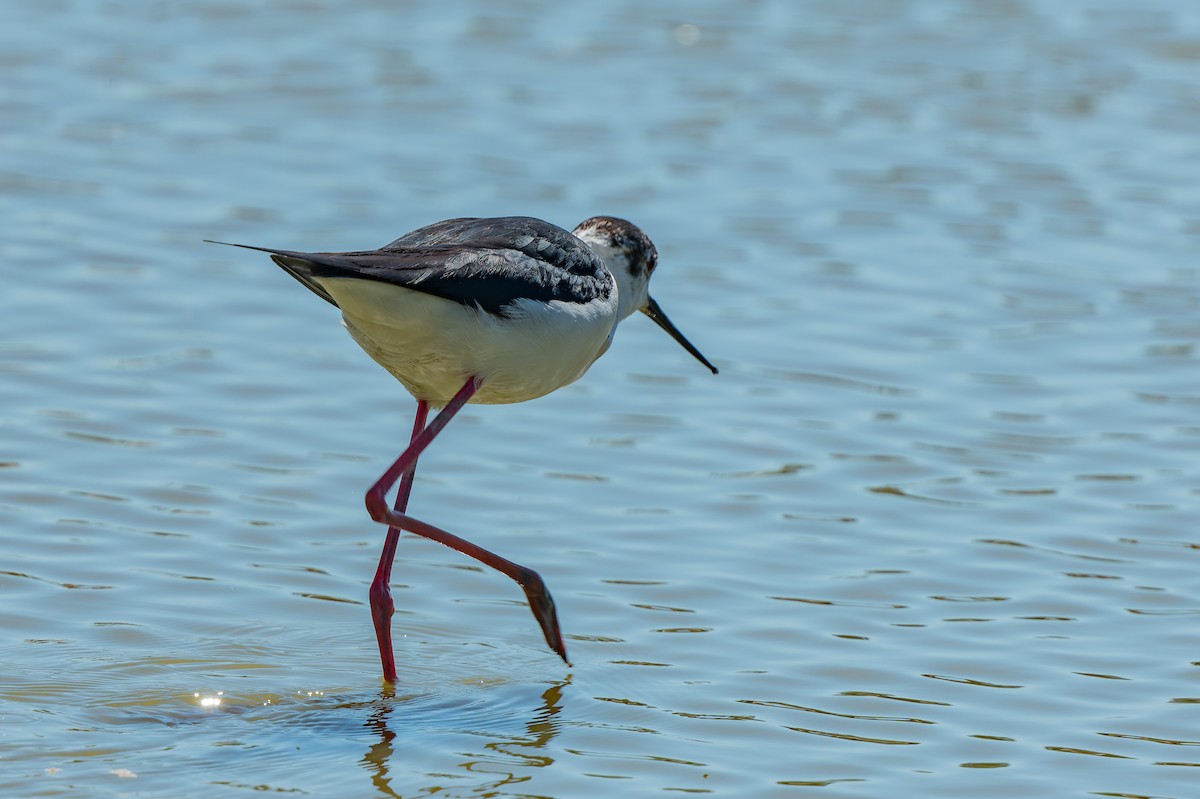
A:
{"x":480,"y":310}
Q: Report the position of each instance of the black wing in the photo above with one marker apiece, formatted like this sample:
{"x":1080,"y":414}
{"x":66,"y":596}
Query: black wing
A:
{"x":488,"y":263}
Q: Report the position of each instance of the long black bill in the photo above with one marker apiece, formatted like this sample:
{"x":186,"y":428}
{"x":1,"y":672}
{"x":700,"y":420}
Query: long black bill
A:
{"x":652,"y":310}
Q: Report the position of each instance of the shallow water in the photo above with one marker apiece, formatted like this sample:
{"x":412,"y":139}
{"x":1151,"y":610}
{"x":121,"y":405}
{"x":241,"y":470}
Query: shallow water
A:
{"x":931,"y":532}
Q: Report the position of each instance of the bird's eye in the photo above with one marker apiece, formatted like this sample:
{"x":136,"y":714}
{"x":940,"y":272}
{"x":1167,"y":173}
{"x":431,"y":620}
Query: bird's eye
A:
{"x":651,"y":262}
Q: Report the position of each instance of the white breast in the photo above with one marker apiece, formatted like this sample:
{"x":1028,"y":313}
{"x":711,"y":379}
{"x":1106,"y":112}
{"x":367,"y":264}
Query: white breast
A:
{"x":433,"y":345}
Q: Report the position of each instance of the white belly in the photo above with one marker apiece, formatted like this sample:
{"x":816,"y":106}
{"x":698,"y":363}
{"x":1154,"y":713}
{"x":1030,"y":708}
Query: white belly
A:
{"x":433,"y":346}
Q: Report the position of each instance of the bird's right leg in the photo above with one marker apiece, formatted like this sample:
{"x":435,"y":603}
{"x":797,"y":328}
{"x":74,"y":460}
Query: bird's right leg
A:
{"x":540,"y":601}
{"x":382,"y":606}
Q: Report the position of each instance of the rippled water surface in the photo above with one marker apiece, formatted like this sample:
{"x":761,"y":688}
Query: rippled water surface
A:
{"x":931,"y":532}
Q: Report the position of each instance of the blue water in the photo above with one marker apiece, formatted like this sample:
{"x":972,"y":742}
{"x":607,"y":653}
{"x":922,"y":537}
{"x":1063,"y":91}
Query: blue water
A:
{"x":931,"y":532}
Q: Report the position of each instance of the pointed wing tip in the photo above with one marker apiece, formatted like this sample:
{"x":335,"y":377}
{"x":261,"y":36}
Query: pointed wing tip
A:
{"x":231,"y":244}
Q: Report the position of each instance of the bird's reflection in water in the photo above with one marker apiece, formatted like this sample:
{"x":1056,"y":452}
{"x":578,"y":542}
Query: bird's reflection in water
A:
{"x":380,"y":753}
{"x":528,"y":749}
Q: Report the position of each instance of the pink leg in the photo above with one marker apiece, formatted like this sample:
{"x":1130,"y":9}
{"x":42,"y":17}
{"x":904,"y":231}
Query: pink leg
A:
{"x":540,"y":601}
{"x":382,"y":606}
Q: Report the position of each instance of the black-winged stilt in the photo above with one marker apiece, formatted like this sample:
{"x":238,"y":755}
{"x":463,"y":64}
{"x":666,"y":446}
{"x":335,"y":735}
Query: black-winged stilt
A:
{"x":485,"y":311}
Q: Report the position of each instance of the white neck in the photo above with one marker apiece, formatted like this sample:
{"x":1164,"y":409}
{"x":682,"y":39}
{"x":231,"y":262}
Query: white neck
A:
{"x":631,"y":293}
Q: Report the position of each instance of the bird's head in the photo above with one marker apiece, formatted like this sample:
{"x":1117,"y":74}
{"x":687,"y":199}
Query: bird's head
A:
{"x":631,"y":257}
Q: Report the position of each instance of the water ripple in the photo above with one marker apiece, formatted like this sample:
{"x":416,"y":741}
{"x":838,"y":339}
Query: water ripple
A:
{"x":937,"y":509}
